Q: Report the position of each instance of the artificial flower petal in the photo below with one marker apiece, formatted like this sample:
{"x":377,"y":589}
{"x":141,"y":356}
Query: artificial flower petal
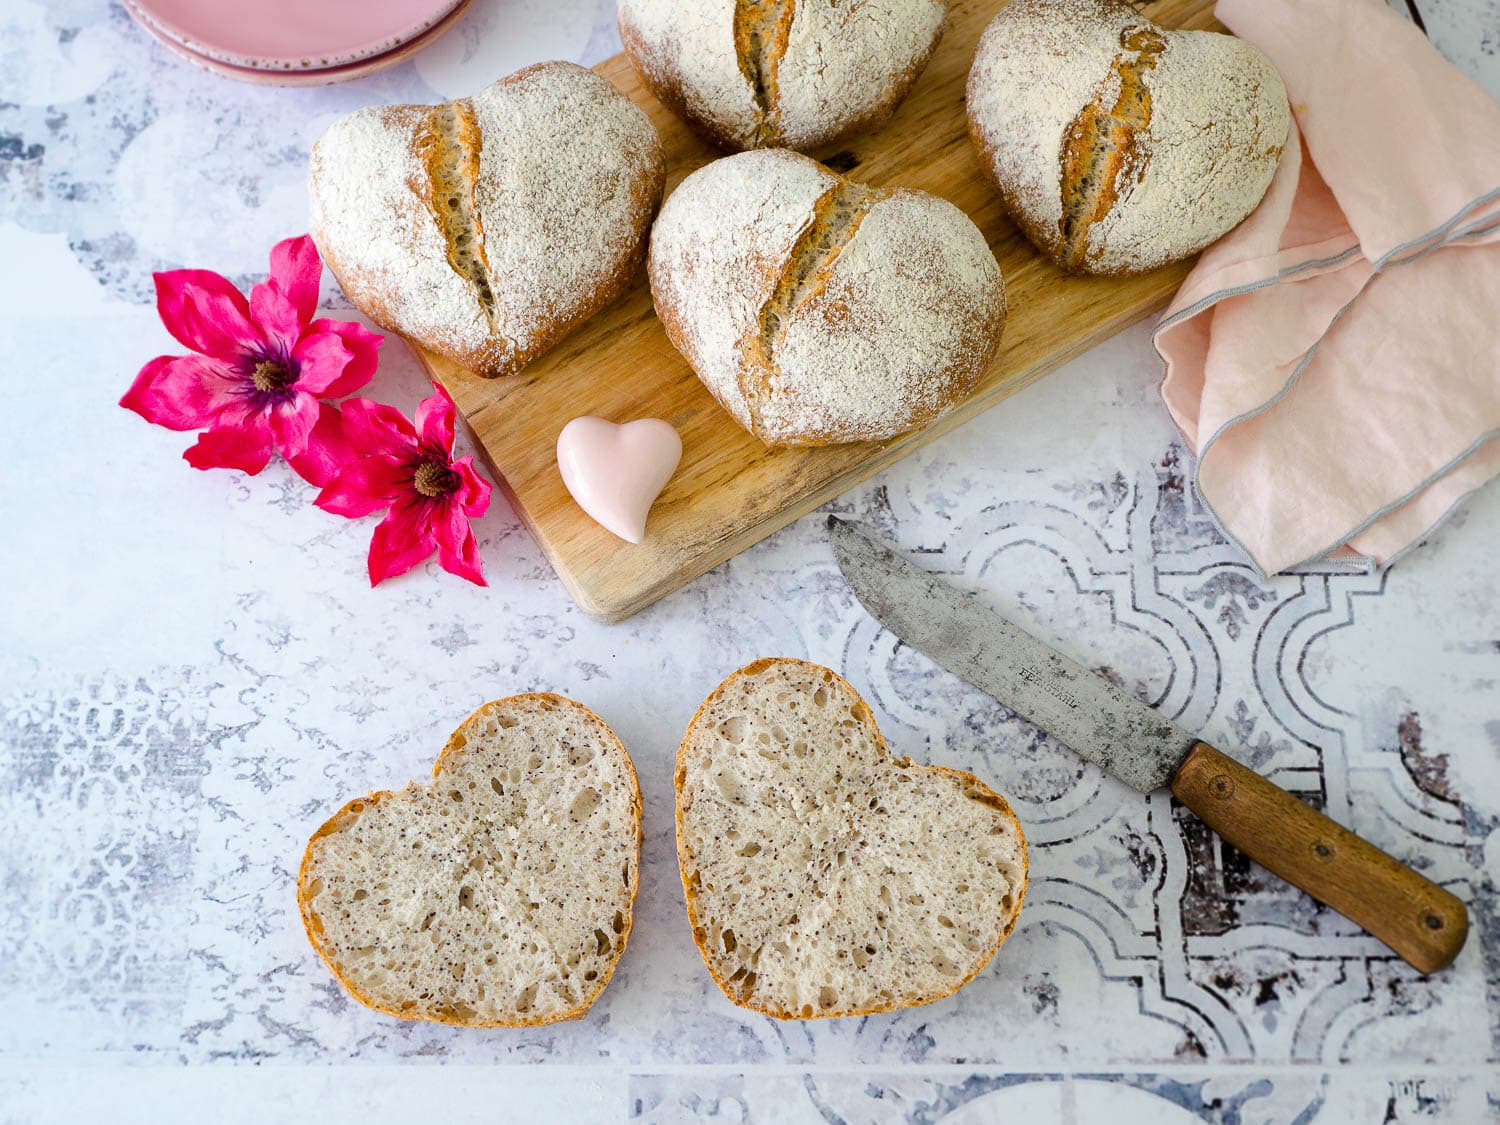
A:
{"x":297,"y":272}
{"x":292,"y":422}
{"x":275,"y":315}
{"x":387,"y":475}
{"x":473,"y":494}
{"x":364,"y":354}
{"x":374,"y":427}
{"x":180,"y":392}
{"x":364,"y":487}
{"x":320,"y":359}
{"x":226,"y":332}
{"x":327,"y":452}
{"x":249,"y":409}
{"x":246,"y":447}
{"x":450,"y":527}
{"x":400,"y":542}
{"x":465,"y":562}
{"x":220,"y":323}
{"x":174,"y":289}
{"x":435,"y":419}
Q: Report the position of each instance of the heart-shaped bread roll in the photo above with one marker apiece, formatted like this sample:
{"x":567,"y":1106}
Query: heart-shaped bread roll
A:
{"x":1117,"y":145}
{"x":819,"y":310}
{"x":500,"y":893}
{"x":488,"y":227}
{"x":824,"y":876}
{"x":780,"y":73}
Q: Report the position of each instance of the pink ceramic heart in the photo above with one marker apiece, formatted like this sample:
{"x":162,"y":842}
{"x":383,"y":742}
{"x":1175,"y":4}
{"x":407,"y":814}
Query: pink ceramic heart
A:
{"x":617,"y":472}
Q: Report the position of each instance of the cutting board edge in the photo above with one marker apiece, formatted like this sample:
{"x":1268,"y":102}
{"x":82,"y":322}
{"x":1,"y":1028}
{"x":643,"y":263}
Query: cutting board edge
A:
{"x":610,"y":587}
{"x":612,"y":612}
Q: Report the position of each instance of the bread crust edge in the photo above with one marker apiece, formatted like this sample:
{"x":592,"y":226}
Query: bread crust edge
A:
{"x":750,"y":378}
{"x":1043,"y":237}
{"x":667,"y":87}
{"x":962,"y":378}
{"x":991,"y":797}
{"x":351,"y":810}
{"x":492,"y":359}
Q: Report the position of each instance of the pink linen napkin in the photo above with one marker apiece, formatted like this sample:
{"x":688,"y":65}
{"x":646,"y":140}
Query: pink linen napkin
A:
{"x":1335,"y":360}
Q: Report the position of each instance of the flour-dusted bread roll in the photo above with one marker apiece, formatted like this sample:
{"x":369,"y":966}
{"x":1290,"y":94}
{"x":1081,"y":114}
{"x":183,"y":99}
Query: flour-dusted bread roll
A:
{"x":819,"y":310}
{"x":500,"y":893}
{"x":780,"y":73}
{"x":824,"y":876}
{"x":1117,"y":145}
{"x":488,"y":227}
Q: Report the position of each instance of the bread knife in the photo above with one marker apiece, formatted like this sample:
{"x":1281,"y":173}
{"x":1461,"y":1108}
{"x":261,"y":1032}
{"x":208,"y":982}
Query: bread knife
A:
{"x":1423,"y":923}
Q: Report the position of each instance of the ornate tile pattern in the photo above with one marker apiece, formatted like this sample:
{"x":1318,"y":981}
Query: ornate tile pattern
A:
{"x":193,"y":674}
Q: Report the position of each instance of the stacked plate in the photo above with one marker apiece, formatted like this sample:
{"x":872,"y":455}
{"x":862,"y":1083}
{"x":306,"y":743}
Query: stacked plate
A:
{"x":295,"y":42}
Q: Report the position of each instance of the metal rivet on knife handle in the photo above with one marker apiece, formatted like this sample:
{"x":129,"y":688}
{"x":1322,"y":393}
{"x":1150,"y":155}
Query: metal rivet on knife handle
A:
{"x":1418,"y":919}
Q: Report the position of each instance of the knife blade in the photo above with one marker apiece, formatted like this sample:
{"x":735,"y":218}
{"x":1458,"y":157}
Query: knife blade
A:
{"x":1423,"y":923}
{"x":1080,"y":709}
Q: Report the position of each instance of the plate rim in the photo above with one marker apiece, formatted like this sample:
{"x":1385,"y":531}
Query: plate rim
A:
{"x":322,"y":76}
{"x":287,"y":64}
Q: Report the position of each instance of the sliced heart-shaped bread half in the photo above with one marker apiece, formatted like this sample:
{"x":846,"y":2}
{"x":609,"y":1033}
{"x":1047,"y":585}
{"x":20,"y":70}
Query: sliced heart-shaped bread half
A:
{"x":500,"y":893}
{"x":1119,"y":145}
{"x":488,"y":227}
{"x":823,"y":875}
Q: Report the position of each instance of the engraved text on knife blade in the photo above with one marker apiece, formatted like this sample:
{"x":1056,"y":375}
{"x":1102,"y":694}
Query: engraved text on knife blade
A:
{"x":1031,"y":675}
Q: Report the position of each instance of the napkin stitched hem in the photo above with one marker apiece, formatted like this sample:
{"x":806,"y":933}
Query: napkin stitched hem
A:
{"x":1413,"y":250}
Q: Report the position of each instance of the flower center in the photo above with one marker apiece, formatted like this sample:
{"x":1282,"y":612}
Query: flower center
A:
{"x":434,"y":479}
{"x":270,"y":377}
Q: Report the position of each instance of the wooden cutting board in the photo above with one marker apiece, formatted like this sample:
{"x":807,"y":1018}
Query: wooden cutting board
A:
{"x":730,"y":491}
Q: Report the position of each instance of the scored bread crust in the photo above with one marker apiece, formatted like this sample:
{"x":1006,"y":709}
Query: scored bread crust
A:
{"x":974,"y":787}
{"x":455,"y":746}
{"x":547,"y":180}
{"x":818,"y":310}
{"x":832,"y":69}
{"x":1117,"y":145}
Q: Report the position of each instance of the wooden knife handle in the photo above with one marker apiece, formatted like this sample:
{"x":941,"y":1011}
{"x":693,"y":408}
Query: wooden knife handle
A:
{"x":1423,"y":923}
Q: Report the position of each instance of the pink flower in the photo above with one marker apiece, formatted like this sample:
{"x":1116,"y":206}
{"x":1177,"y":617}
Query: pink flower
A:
{"x":410,"y":471}
{"x":261,"y":366}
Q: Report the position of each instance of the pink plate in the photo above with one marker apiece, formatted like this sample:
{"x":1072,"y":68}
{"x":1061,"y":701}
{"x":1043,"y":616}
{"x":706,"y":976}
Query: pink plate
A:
{"x":290,"y":35}
{"x":325,"y":76}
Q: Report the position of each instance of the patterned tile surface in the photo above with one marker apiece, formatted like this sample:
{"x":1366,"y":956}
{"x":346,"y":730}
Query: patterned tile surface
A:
{"x":193,"y":674}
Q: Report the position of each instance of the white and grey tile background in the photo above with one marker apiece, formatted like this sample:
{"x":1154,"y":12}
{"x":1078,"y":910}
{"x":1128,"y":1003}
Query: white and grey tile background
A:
{"x":193,"y":674}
